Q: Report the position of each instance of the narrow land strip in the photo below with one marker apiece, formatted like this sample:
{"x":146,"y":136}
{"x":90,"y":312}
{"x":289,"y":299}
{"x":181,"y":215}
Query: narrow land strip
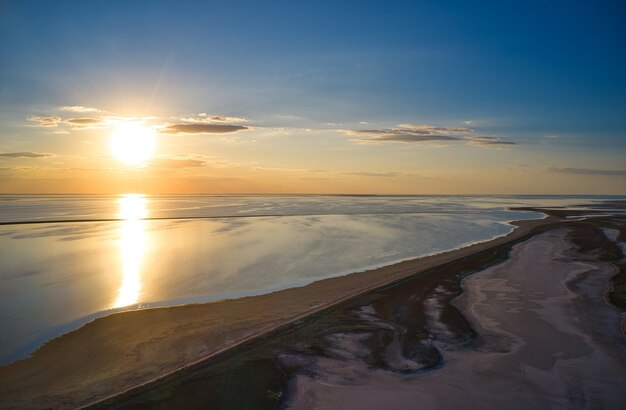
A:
{"x":122,"y":352}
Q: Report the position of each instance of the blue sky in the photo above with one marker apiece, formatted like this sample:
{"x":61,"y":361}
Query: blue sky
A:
{"x":547,"y":76}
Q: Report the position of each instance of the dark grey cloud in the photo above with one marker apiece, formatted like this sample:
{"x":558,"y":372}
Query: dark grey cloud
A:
{"x":589,"y":171}
{"x":202,"y":128}
{"x":45,"y":121}
{"x":25,"y":154}
{"x":176,"y":163}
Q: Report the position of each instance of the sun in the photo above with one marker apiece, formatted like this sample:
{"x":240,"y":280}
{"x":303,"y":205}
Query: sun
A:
{"x":132,"y":143}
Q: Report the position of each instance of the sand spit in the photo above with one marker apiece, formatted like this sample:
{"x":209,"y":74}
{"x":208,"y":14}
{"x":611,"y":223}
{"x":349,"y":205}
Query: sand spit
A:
{"x":119,"y":352}
{"x":257,"y":352}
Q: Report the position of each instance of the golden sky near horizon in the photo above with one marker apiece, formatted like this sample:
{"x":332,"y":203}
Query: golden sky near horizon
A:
{"x":89,"y":150}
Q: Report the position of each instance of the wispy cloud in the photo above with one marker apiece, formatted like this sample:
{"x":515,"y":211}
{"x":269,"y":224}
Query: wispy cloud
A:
{"x":91,"y":121}
{"x":548,"y":139}
{"x":85,"y":122}
{"x":432,"y":129}
{"x":79,"y":108}
{"x":588,"y":171}
{"x":25,"y":154}
{"x":45,"y":121}
{"x":484,"y":140}
{"x":203,"y":118}
{"x":409,"y":133}
{"x":416,"y":133}
{"x":202,"y":128}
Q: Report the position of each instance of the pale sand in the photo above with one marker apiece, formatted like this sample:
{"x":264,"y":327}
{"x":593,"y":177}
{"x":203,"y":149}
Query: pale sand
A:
{"x":545,"y":339}
{"x":118,"y":352}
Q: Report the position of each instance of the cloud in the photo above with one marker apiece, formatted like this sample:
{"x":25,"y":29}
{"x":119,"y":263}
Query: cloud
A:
{"x":222,"y":118}
{"x":84,"y":122}
{"x":588,"y":171}
{"x":202,"y":128}
{"x":409,"y":137}
{"x":546,"y":139}
{"x":483,"y":140}
{"x":434,"y":130}
{"x":25,"y":154}
{"x":79,"y":108}
{"x":174,"y":163}
{"x":415,"y":133}
{"x":45,"y":121}
{"x":410,"y":133}
{"x":203,"y":118}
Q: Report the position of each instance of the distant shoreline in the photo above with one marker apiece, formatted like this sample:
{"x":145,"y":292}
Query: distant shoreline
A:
{"x":176,"y":218}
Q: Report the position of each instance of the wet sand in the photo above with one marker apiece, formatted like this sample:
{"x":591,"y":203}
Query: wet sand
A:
{"x":119,"y":352}
{"x":545,"y":339}
{"x":268,"y":351}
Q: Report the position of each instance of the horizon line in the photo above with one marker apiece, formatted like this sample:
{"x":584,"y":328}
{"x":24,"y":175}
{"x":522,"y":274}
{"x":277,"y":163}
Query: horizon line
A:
{"x":293,"y":194}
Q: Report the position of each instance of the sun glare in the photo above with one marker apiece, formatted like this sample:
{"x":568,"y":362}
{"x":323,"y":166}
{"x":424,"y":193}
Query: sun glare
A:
{"x":133,"y":143}
{"x":132,"y":246}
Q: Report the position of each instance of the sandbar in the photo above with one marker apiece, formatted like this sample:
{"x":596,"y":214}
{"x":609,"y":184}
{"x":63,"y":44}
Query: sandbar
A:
{"x":115,"y":356}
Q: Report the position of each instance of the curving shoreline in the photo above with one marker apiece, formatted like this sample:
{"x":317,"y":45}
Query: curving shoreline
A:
{"x":540,"y":336}
{"x":122,"y":352}
{"x":42,"y":335}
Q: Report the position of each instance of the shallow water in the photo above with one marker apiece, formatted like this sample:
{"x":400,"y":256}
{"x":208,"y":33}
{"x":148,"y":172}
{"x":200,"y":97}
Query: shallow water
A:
{"x":57,"y":276}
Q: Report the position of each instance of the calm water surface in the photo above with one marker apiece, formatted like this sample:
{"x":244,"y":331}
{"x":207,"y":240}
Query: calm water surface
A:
{"x":58,"y":275}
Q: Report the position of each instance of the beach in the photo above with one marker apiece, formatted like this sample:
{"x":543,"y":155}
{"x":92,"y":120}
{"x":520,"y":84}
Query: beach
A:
{"x":129,"y":357}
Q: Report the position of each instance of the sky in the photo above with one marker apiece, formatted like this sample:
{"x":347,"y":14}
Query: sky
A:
{"x":363,"y":97}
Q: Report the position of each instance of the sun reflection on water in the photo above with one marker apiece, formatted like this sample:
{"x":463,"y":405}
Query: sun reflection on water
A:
{"x":132,"y":248}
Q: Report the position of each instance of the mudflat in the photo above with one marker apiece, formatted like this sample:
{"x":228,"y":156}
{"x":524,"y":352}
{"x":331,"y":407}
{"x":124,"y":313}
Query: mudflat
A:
{"x":122,"y":351}
{"x":531,"y":323}
{"x":545,"y":339}
{"x":388,"y":336}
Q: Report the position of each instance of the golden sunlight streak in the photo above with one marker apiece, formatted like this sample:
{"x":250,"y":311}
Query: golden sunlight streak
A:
{"x":132,"y":248}
{"x":133,"y":143}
